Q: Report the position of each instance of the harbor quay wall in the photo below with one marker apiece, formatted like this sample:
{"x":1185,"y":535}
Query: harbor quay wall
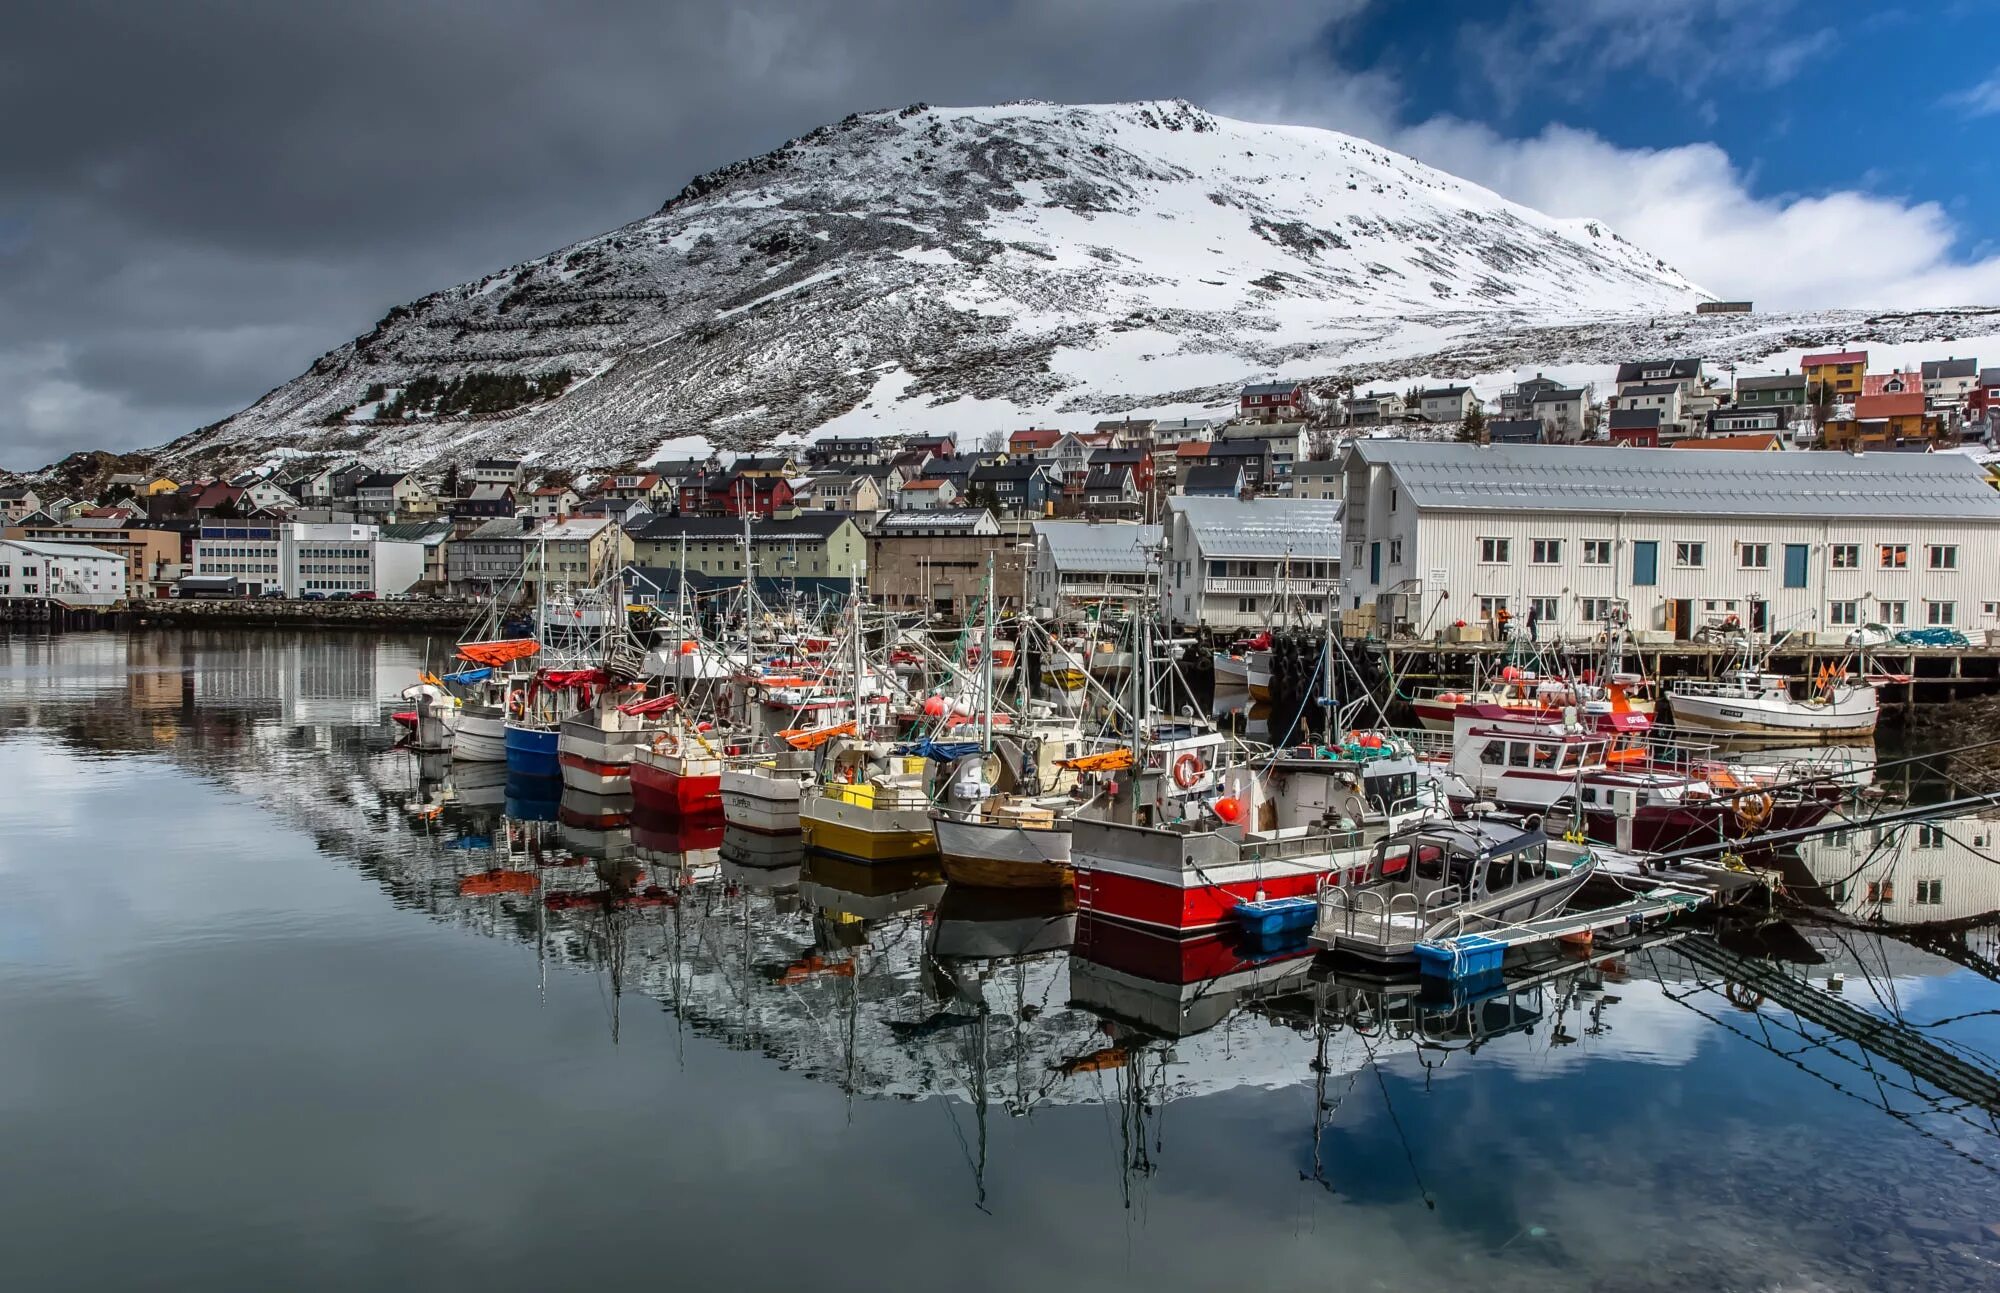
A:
{"x":290,"y":614}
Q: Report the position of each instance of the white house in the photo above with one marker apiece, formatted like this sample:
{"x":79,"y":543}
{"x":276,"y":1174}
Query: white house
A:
{"x":1287,"y":442}
{"x":1446,"y":403}
{"x":551,"y":500}
{"x":930,"y":494}
{"x":74,"y":574}
{"x":1561,"y":411}
{"x":1235,"y":564}
{"x":1081,"y":562}
{"x":1669,"y":539}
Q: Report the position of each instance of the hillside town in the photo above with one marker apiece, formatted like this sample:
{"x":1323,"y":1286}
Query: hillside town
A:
{"x":909,"y":520}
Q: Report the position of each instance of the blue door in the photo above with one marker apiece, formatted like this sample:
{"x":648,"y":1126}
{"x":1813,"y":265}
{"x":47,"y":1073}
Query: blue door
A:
{"x":1646,"y":563}
{"x":1375,"y":562}
{"x":1795,"y":565}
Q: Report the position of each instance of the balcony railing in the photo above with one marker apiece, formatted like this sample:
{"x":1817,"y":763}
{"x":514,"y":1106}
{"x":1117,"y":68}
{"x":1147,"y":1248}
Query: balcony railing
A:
{"x":1239,"y":584}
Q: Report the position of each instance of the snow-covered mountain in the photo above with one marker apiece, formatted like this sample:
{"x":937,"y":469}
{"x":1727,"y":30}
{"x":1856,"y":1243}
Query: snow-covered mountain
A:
{"x":972,"y":267}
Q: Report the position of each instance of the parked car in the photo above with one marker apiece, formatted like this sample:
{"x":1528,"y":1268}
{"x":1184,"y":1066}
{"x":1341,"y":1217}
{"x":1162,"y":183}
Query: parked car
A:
{"x":339,"y":597}
{"x":365,"y":595}
{"x":274,"y":592}
{"x":313,"y":597}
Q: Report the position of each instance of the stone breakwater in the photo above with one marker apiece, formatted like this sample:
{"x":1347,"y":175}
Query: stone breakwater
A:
{"x":276,"y":613}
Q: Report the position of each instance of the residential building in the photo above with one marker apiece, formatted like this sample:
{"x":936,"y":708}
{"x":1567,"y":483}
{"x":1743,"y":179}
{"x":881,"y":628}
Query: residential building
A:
{"x":497,"y":471}
{"x":927,"y":495}
{"x":646,"y":485}
{"x":1729,"y":421}
{"x":486,"y":501}
{"x":1671,"y":540}
{"x":1082,"y":563}
{"x":70,"y":574}
{"x":1947,"y":382}
{"x":433,"y":536}
{"x":1841,"y":371}
{"x":828,"y":549}
{"x":1446,"y":404}
{"x":312,"y":486}
{"x":848,"y":451}
{"x":1128,"y":432}
{"x":1663,"y":398}
{"x":937,"y":561}
{"x":1755,"y":442}
{"x":1032,"y":443}
{"x":1373,"y":407}
{"x":1520,"y":431}
{"x":1905,"y":382}
{"x":1271,"y":401}
{"x":1884,"y":422}
{"x":577,"y":551}
{"x":267,"y":495}
{"x":1985,"y":397}
{"x":1137,"y":459}
{"x":1252,"y":455}
{"x":552,"y":500}
{"x":846,"y":492}
{"x":152,"y":557}
{"x":1020,"y":488}
{"x":1520,"y":402}
{"x":1563,"y":412}
{"x":1686,"y":374}
{"x":1240,"y":565}
{"x":764,"y":465}
{"x":306,"y":557}
{"x":1639,"y":428}
{"x":488,"y":558}
{"x":735,"y":493}
{"x":1111,"y":493}
{"x":18,"y":501}
{"x":384,"y":494}
{"x":1225,"y":480}
{"x":1170,"y":432}
{"x":1783,"y":391}
{"x":1286,"y":441}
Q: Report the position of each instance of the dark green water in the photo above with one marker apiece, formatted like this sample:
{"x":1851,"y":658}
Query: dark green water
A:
{"x":259,"y":1030}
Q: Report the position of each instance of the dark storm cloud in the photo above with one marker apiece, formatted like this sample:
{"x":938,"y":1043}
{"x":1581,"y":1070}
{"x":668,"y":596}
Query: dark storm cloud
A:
{"x":198,"y":199}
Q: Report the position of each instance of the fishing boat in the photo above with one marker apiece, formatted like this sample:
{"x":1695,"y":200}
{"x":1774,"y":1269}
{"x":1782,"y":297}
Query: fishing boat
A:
{"x":1529,"y":691}
{"x":480,"y":734}
{"x":762,"y":792}
{"x":432,"y":718}
{"x":536,"y":713}
{"x":1004,"y":820}
{"x":679,"y":773}
{"x":1622,"y":795}
{"x":871,"y":806}
{"x":1245,"y":666}
{"x":1839,"y":705}
{"x":1445,"y":879}
{"x":595,"y":745}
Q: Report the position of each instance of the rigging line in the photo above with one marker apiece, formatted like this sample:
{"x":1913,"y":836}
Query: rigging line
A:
{"x":1409,"y":1155}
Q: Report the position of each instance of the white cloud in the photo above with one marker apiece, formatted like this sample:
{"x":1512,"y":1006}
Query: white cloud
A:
{"x":1691,"y":206}
{"x":1982,"y":100}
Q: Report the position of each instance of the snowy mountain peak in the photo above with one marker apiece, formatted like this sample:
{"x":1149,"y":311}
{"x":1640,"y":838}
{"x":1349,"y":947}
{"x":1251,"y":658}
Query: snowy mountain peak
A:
{"x":968,"y":267}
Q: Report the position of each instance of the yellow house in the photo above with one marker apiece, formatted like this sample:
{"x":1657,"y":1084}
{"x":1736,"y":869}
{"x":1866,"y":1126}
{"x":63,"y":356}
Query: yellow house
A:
{"x":1841,"y":370}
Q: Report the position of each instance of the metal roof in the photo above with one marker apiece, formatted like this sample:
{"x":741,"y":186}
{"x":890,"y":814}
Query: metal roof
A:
{"x":54,"y":551}
{"x":1269,"y":388}
{"x":1939,"y":369}
{"x":1782,"y":382}
{"x":1264,"y":527}
{"x":1582,"y":478}
{"x":1108,"y":548}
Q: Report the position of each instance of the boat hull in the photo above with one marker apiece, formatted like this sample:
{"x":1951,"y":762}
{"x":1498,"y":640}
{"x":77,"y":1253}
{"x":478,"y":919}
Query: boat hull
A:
{"x":999,"y":855}
{"x":1852,"y":714}
{"x":531,"y":752}
{"x":665,"y":789}
{"x":758,"y":802}
{"x":831,"y":825}
{"x":479,"y":738}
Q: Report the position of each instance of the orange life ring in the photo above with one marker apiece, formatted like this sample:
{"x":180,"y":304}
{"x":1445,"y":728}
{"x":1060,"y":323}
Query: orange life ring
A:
{"x":667,"y":743}
{"x":1187,"y":771}
{"x":1753,"y":812}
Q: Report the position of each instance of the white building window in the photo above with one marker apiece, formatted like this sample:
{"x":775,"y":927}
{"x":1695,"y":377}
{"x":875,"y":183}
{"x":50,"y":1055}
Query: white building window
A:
{"x":1943,"y":556}
{"x":1930,"y":835}
{"x":1496,"y":552}
{"x":1893,"y":612}
{"x":1930,"y":893}
{"x":1895,"y":556}
{"x":1940,"y":614}
{"x":1597,"y":552}
{"x":1756,"y":556}
{"x":1491,"y":606}
{"x":1545,"y":552}
{"x":1545,"y":608}
{"x":1846,"y":556}
{"x":1596,"y":610}
{"x":1843,"y":614}
{"x":1395,"y":552}
{"x":1689,"y":555}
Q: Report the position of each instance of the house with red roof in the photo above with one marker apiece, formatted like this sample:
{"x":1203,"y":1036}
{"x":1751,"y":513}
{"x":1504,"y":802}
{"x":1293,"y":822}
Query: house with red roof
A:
{"x":1032,"y":443}
{"x":1885,"y":422}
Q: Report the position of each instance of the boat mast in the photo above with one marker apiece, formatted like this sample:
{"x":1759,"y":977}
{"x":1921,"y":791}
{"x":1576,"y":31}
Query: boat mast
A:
{"x":986,"y":664}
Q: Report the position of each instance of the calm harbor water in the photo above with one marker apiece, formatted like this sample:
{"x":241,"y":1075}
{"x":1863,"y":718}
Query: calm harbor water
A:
{"x":268,"y":1019}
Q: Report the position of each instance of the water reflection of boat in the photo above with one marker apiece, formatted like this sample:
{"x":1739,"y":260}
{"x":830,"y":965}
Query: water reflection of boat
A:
{"x":869,"y":890}
{"x":533,"y":799}
{"x":596,"y":825}
{"x":754,"y":849}
{"x":995,"y":924}
{"x":1173,"y":987}
{"x":479,"y":785}
{"x":690,"y":847}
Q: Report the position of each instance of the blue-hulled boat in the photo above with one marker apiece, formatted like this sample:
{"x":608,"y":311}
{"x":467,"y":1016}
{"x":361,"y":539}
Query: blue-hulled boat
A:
{"x":533,"y":799}
{"x":531,"y":752}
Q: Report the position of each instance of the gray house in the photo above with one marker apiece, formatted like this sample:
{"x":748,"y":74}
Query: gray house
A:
{"x":1021,"y":488}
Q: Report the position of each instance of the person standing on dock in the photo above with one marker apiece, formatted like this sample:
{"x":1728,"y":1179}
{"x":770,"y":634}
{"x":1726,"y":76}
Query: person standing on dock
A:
{"x":1534,"y":618}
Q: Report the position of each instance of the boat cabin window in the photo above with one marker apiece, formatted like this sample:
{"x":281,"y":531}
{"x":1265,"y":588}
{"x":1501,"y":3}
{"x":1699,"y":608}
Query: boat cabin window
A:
{"x":1501,"y":873}
{"x":1389,"y":789}
{"x":1520,"y":754}
{"x":1397,"y":859}
{"x":1493,"y":753}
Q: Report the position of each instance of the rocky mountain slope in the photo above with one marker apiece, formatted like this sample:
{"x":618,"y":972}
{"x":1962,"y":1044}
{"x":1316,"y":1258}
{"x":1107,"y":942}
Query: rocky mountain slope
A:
{"x":987,"y":266}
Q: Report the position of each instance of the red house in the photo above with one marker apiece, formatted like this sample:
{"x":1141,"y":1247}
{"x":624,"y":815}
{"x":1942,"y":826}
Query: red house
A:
{"x":734,"y":494}
{"x":1026,"y":444}
{"x":1139,"y":460}
{"x":1273,"y":401}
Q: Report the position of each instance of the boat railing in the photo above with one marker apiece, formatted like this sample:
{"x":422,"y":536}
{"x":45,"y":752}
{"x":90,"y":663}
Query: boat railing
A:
{"x":1423,"y":740}
{"x":1369,"y":912}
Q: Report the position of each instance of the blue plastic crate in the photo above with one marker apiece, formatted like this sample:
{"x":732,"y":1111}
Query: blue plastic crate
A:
{"x":1276,"y":915}
{"x":1464,"y":957}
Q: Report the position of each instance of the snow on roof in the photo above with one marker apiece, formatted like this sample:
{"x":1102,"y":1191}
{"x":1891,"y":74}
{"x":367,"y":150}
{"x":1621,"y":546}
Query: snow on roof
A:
{"x":1264,"y":527}
{"x":1583,"y":478}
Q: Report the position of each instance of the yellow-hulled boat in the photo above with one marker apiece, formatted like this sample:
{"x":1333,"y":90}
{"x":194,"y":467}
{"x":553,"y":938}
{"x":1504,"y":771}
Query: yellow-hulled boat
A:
{"x":882,"y":819}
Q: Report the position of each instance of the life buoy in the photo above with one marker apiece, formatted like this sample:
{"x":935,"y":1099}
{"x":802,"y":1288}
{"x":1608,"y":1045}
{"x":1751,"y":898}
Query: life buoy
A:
{"x":1187,"y":771}
{"x":1753,"y":812}
{"x":667,"y":743}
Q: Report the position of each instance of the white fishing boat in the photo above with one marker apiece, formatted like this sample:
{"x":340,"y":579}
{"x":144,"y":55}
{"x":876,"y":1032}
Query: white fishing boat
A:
{"x":1838,"y":705}
{"x":762,"y":792}
{"x":595,"y":746}
{"x":1245,"y":666}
